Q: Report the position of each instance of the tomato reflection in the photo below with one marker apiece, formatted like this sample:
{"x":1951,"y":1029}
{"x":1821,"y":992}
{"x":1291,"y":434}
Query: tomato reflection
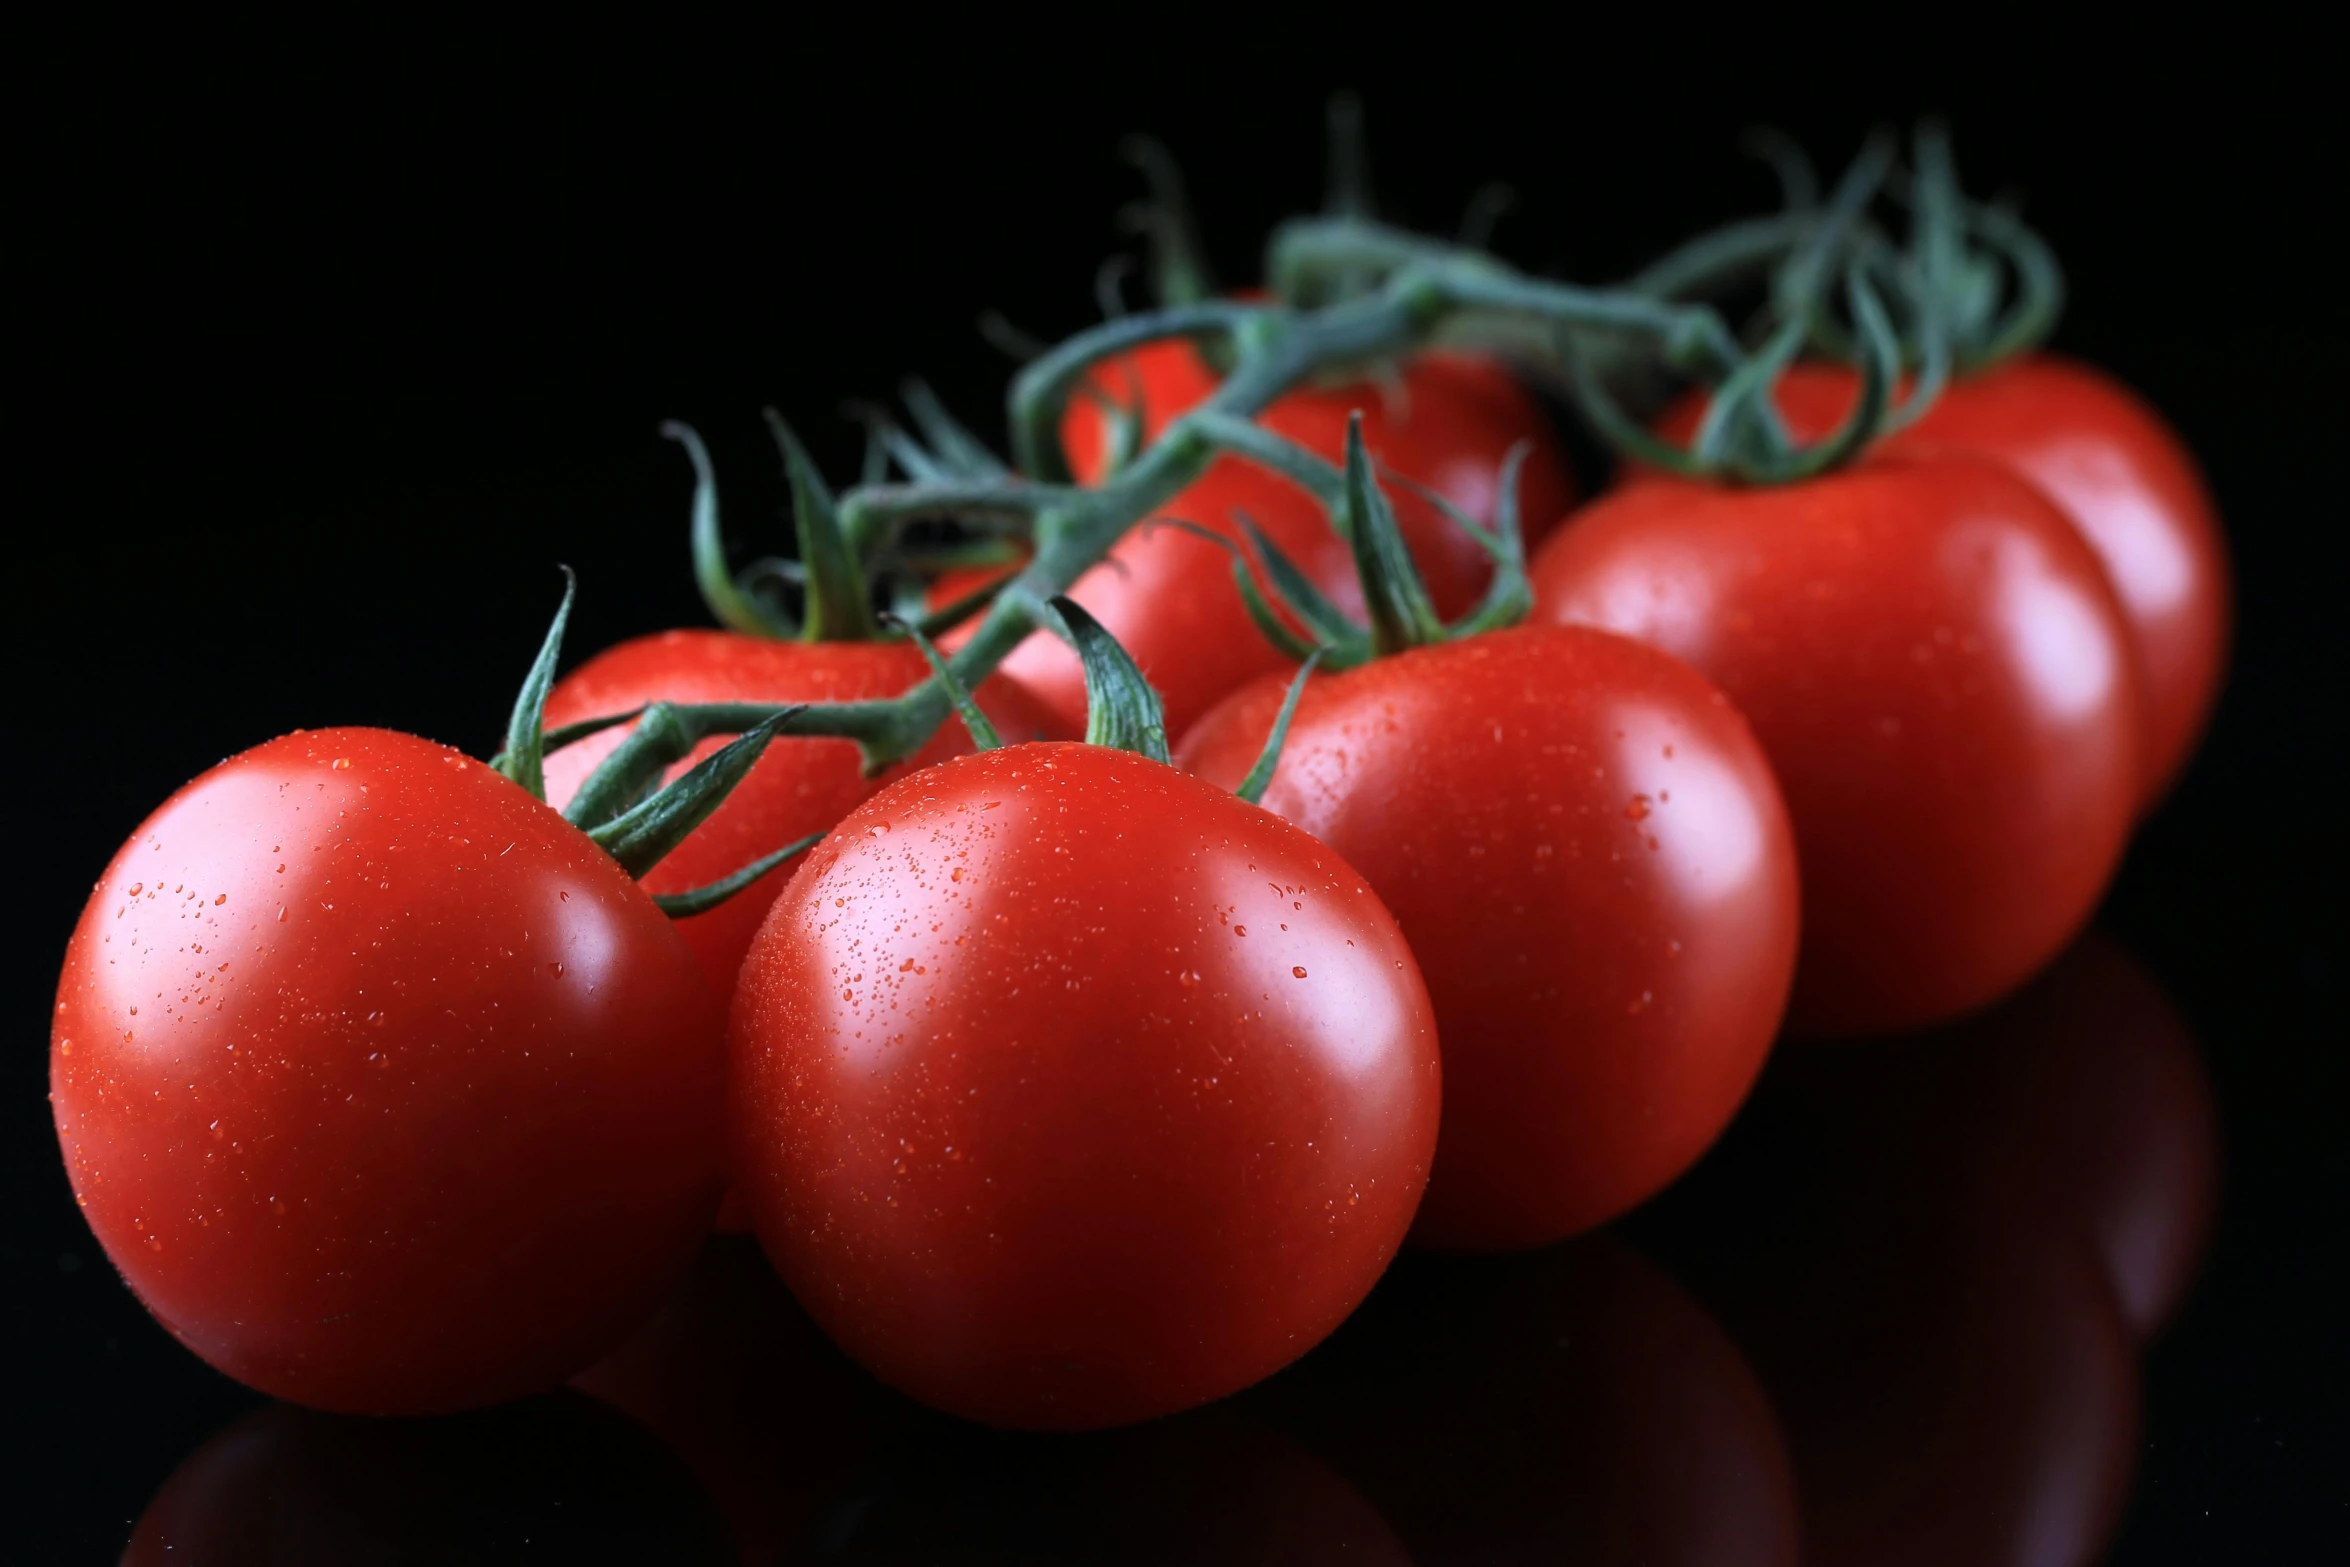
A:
{"x":1941,"y":1254}
{"x":1570,"y":1405}
{"x":560,"y":1478}
{"x":1930,"y":1264}
{"x":811,"y":1459}
{"x":734,"y":1375}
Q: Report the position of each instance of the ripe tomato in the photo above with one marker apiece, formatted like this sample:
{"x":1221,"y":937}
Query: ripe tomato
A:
{"x":800,"y":786}
{"x":1938,"y":668}
{"x":387,"y":1090}
{"x":1068,"y":1090}
{"x":1584,"y":847}
{"x":1447,"y":421}
{"x":2112,"y":466}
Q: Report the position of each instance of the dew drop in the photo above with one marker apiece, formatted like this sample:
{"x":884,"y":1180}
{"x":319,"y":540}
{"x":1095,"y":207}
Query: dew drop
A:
{"x":1638,"y":809}
{"x":1299,"y":971}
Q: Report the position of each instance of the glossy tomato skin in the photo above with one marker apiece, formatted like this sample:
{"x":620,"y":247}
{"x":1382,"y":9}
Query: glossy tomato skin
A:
{"x":387,"y":1091}
{"x":2127,"y":482}
{"x":1938,"y":669}
{"x":1068,"y":1090}
{"x":1447,"y":422}
{"x":1584,"y":846}
{"x":800,"y":786}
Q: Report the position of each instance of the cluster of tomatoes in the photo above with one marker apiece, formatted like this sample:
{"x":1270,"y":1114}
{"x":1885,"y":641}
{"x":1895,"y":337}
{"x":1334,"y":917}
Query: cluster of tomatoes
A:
{"x":1065,"y":1083}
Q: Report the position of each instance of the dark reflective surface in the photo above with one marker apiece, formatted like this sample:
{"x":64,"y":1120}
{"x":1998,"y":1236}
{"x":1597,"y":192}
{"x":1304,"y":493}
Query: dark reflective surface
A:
{"x":558,"y":1479}
{"x":1918,"y":1275}
{"x":1941,"y":1254}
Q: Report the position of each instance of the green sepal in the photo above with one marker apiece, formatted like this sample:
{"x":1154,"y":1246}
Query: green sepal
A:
{"x":1880,"y":369}
{"x":642,"y":836}
{"x":1179,"y":273}
{"x":885,"y":435}
{"x":524,"y":756}
{"x":1299,"y":594}
{"x":1485,"y":209}
{"x":1246,"y":438}
{"x":983,"y":733}
{"x":838,"y":608}
{"x":729,"y":603}
{"x":964,"y":452}
{"x":1401,"y":616}
{"x":700,"y":900}
{"x":1260,"y":777}
{"x":1509,"y":597}
{"x":1347,"y":193}
{"x":1252,"y":598}
{"x":1122,"y":712}
{"x":665,"y":734}
{"x":571,"y":734}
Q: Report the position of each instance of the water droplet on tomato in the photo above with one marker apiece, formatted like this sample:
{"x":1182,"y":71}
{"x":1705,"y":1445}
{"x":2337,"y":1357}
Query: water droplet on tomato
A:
{"x":1299,"y":971}
{"x":1638,"y":809}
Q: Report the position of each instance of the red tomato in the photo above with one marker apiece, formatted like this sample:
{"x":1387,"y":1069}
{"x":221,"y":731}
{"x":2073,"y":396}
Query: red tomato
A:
{"x":798,"y":787}
{"x":1070,"y":1091}
{"x":1447,"y":421}
{"x":2125,"y":480}
{"x":1584,"y":847}
{"x":387,"y":1090}
{"x":1938,"y":668}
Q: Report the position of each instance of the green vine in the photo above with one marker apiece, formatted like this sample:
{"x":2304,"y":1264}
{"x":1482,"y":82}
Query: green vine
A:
{"x":1350,"y":293}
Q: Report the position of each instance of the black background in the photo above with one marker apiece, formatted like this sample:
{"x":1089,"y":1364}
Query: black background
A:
{"x":329,"y":350}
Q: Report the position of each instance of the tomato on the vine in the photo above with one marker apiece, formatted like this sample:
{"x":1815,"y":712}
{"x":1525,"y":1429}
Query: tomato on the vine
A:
{"x":387,"y":1090}
{"x":1068,"y":1090}
{"x":798,"y":787}
{"x":1938,"y":668}
{"x":1445,"y":420}
{"x":2111,"y":465}
{"x":1585,"y":848}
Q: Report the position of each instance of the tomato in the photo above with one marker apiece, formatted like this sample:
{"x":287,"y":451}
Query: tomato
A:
{"x":1068,"y":1090}
{"x":798,"y":787}
{"x":1447,"y":421}
{"x":1566,"y":1405}
{"x":387,"y":1090}
{"x":2126,"y":481}
{"x":1584,"y":847}
{"x":1937,"y":666}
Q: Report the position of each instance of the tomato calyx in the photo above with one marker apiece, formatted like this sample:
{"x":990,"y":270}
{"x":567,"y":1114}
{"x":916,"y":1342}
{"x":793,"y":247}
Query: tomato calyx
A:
{"x":842,"y":556}
{"x":1122,"y":712}
{"x":624,"y":808}
{"x":1400,"y":612}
